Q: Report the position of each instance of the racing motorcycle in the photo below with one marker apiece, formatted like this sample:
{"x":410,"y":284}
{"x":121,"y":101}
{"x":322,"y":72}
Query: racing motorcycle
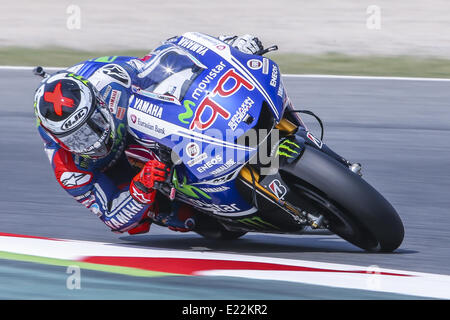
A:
{"x":241,"y":155}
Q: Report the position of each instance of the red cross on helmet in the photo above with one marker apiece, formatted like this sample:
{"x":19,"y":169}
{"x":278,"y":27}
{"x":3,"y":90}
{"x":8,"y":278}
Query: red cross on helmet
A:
{"x":72,"y":112}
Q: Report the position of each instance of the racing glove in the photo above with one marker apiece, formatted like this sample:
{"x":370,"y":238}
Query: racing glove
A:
{"x":142,"y":187}
{"x":245,"y":43}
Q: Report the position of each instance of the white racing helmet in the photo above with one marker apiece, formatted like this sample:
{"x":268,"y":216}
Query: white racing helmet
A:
{"x":72,"y":112}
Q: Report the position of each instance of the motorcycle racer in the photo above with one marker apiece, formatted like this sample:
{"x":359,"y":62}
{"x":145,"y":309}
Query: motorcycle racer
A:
{"x":81,"y":118}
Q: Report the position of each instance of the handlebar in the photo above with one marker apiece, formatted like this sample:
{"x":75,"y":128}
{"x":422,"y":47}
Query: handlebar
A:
{"x":39,"y":71}
{"x":269,"y":49}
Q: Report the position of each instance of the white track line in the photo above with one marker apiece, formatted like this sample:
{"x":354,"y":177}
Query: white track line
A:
{"x":331,"y":76}
{"x":28,"y":68}
{"x":333,"y":275}
{"x":313,"y":76}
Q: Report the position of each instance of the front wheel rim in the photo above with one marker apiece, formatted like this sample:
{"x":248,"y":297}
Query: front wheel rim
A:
{"x":340,"y":223}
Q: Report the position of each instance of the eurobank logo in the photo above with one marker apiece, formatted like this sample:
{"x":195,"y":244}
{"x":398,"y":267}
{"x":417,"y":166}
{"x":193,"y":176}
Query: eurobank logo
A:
{"x":151,"y":128}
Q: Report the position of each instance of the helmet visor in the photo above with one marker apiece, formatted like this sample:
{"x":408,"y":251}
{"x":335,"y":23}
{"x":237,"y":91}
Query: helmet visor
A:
{"x":94,"y":138}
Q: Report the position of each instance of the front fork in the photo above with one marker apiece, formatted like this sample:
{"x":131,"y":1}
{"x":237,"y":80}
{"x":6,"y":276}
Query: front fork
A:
{"x":291,"y":145}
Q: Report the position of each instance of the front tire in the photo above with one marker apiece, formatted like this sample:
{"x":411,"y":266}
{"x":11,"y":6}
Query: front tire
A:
{"x":353,"y":209}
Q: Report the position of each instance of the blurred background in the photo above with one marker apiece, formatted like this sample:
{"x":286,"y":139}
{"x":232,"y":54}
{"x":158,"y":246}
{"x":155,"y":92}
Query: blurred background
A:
{"x":374,"y":37}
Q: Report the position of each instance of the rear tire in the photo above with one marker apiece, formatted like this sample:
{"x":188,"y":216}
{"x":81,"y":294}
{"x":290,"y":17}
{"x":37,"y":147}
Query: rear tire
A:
{"x":354,"y":210}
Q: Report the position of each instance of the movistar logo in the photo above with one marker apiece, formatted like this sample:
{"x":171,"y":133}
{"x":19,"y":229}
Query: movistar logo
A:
{"x":287,"y":148}
{"x":188,"y":113}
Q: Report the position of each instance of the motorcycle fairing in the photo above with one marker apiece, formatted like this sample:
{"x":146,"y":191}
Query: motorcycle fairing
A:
{"x":220,"y":97}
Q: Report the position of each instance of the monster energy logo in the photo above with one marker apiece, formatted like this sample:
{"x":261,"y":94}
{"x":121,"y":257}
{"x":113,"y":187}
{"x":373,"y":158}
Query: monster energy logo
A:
{"x":186,"y":189}
{"x":257,"y":222}
{"x":286,"y":149}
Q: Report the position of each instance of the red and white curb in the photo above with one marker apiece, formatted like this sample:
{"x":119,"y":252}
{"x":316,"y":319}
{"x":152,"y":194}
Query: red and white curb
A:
{"x":233,"y":265}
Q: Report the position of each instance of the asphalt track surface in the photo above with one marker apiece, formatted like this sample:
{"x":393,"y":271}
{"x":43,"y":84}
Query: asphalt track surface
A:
{"x":399,"y":131}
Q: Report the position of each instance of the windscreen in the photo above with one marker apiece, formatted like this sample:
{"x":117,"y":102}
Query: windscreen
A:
{"x":173,"y":72}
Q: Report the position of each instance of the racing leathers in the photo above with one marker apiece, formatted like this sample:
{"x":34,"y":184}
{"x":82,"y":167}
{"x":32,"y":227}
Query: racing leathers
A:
{"x":115,"y":187}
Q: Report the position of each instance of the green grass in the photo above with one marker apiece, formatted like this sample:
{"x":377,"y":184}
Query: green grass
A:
{"x":55,"y":57}
{"x":84,"y":265}
{"x":330,"y":63}
{"x":339,"y":64}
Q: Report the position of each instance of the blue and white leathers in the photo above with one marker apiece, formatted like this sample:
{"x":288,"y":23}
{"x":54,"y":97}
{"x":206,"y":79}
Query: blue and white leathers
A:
{"x":102,"y":185}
